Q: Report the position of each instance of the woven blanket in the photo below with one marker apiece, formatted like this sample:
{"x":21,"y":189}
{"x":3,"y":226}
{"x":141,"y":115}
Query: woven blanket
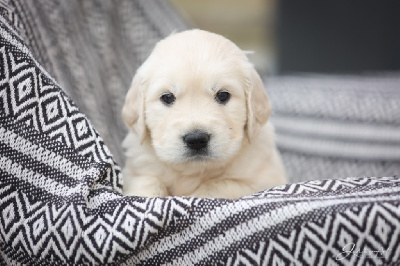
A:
{"x":334,"y":126}
{"x":60,"y":200}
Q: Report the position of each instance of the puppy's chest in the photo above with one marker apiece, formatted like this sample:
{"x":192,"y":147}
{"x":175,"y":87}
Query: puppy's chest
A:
{"x":186,"y":182}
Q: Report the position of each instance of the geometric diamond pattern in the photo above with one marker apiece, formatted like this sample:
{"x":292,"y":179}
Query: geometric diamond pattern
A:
{"x":24,"y":86}
{"x":60,"y":200}
{"x":38,"y":227}
{"x":383,"y":230}
{"x":24,"y":89}
{"x":310,"y":252}
{"x":345,"y":247}
{"x":98,"y":237}
{"x":156,"y":230}
{"x":51,"y":110}
{"x":67,"y":231}
{"x":128,"y":225}
{"x":31,"y":97}
{"x":345,"y":239}
{"x":9,"y":216}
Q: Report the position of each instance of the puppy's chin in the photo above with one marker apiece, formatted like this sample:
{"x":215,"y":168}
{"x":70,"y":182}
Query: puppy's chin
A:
{"x":197,"y":162}
{"x":202,"y":155}
{"x":189,"y":156}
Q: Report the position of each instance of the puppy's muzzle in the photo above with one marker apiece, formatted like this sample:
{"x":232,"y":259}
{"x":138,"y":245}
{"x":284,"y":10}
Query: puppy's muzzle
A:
{"x":196,"y":140}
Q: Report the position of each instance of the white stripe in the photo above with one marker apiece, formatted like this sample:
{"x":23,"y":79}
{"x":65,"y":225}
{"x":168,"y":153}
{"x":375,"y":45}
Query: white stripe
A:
{"x":338,"y":130}
{"x":218,"y":215}
{"x":261,"y":223}
{"x":339,"y":149}
{"x":36,"y":179}
{"x":99,"y":199}
{"x":41,"y":154}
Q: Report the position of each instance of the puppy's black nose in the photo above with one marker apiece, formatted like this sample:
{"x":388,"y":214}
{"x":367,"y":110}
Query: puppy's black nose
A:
{"x":196,"y":140}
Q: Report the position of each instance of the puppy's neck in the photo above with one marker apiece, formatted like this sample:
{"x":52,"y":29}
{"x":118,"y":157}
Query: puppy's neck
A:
{"x":189,"y":176}
{"x":200,"y":169}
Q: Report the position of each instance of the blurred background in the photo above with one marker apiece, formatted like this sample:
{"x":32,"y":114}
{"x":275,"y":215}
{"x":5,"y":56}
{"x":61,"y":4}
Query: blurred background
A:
{"x":250,"y":24}
{"x":330,"y":69}
{"x":287,"y":36}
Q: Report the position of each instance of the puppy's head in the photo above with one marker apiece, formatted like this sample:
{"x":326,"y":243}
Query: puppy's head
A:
{"x":196,"y":98}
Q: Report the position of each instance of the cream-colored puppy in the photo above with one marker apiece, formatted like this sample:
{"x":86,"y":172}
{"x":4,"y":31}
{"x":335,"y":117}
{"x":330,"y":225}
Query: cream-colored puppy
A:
{"x":198,"y":115}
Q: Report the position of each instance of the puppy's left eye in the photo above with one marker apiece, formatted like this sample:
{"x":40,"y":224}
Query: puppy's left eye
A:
{"x":167,"y":98}
{"x":222,"y":97}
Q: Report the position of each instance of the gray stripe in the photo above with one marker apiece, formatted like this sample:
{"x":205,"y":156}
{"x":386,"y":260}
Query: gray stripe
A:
{"x":42,"y":155}
{"x":338,"y":148}
{"x":38,"y":180}
{"x":323,"y":128}
{"x":221,"y":213}
{"x":261,"y":223}
{"x":218,"y":215}
{"x":369,"y":99}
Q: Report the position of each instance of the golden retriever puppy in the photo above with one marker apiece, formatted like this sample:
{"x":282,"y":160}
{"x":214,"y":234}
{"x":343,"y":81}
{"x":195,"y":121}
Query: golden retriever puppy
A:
{"x":197,"y":113}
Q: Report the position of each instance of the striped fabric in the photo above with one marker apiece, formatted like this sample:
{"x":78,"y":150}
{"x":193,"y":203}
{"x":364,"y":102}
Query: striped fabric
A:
{"x":92,"y":49}
{"x":60,"y":200}
{"x":332,"y":126}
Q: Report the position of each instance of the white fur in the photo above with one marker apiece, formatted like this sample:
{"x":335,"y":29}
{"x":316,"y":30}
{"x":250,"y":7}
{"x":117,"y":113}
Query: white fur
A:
{"x":194,"y":65}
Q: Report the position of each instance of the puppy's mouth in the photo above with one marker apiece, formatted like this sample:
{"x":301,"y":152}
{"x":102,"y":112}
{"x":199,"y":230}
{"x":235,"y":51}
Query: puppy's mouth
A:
{"x":198,"y":155}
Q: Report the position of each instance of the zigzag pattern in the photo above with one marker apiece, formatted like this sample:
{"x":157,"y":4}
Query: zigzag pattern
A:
{"x":60,"y":202}
{"x":27,"y":94}
{"x":316,"y":187}
{"x":71,"y":233}
{"x":346,"y":238}
{"x":306,"y":230}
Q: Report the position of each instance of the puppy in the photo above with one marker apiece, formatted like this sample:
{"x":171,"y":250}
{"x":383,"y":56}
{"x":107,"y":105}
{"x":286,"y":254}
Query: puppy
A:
{"x":198,"y":115}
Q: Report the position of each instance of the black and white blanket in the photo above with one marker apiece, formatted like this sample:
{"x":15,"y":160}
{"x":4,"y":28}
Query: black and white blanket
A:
{"x":60,"y":187}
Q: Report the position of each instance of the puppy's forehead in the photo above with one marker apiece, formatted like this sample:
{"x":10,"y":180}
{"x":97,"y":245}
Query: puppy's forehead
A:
{"x":196,"y":47}
{"x":196,"y":54}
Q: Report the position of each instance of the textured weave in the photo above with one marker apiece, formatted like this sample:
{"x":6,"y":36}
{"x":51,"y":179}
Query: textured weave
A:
{"x":93,"y":48}
{"x":328,"y":126}
{"x":60,"y":198}
{"x":332,"y":126}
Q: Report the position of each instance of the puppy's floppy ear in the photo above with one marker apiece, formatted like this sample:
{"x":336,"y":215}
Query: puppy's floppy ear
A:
{"x":133,"y":110}
{"x":258,"y":105}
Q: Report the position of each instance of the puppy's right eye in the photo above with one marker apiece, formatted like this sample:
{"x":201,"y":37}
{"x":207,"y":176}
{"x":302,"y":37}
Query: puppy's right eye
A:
{"x":168,"y":98}
{"x":222,"y":97}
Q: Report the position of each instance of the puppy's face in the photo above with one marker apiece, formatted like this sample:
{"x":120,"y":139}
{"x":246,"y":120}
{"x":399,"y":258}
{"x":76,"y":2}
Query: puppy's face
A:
{"x":196,"y":113}
{"x":192,"y":99}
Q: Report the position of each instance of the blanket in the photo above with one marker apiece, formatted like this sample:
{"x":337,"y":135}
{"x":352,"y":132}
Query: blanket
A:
{"x":61,"y":201}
